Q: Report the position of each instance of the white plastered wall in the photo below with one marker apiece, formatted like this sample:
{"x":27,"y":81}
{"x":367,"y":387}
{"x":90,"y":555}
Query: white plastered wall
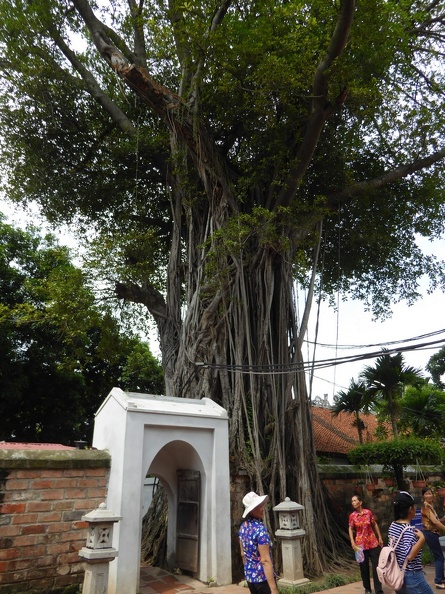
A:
{"x":160,"y":435}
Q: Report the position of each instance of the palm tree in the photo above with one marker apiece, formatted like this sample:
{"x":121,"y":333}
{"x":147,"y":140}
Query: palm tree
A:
{"x":385,"y":382}
{"x":354,"y":400}
{"x":423,"y":411}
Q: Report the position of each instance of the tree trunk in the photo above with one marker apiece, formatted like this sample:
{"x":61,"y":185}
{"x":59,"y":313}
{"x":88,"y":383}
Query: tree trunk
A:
{"x":359,"y":423}
{"x":238,"y":340}
{"x":400,"y":479}
{"x":239,"y":346}
{"x":154,"y":531}
{"x":393,"y":416}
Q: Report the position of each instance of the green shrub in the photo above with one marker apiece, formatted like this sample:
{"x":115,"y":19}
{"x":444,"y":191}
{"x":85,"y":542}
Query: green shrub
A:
{"x":427,"y":557}
{"x":330,"y":581}
{"x":335,"y":580}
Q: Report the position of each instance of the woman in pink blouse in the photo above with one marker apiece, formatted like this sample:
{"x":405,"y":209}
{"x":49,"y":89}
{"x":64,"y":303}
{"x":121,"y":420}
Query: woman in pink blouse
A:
{"x":364,"y":532}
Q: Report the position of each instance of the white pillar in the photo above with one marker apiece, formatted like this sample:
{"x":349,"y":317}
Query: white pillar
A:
{"x":98,"y":551}
{"x":290,"y":535}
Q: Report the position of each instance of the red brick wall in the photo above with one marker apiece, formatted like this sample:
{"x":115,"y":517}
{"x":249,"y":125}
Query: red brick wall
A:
{"x":342,"y":482}
{"x":43,"y":496}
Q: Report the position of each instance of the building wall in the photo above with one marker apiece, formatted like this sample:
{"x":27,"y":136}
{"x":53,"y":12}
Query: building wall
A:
{"x":43,"y":496}
{"x":342,"y":482}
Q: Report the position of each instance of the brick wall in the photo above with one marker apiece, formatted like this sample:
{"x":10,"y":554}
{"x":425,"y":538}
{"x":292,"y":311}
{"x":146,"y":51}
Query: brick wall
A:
{"x":342,"y":482}
{"x":43,"y":495}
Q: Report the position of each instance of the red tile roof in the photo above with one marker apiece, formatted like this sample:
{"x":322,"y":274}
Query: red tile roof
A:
{"x":337,"y":435}
{"x":12,"y":445}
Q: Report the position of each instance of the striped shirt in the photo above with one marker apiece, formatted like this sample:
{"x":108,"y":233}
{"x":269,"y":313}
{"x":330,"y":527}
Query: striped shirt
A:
{"x":405,"y":545}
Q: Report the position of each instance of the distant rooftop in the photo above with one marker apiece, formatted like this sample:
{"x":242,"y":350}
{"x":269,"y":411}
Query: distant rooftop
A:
{"x":15,"y":445}
{"x":337,"y":434}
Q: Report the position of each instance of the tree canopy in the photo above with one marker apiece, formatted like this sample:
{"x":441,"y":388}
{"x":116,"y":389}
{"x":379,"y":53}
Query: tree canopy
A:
{"x":436,"y":366}
{"x":60,"y":352}
{"x":422,"y":411}
{"x":223,"y":151}
{"x":307,"y":108}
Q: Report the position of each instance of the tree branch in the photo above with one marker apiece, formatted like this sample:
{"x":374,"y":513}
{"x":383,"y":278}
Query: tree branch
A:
{"x":435,"y":87}
{"x":219,"y":14}
{"x":148,"y":296}
{"x":115,"y":113}
{"x":169,"y":106}
{"x":321,"y":107}
{"x":140,"y":50}
{"x":386,"y":178}
{"x":216,"y":21}
{"x":104,"y":38}
{"x":310,"y":296}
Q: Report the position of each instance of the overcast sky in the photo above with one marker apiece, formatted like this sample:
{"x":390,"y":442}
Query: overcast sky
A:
{"x":355,"y":327}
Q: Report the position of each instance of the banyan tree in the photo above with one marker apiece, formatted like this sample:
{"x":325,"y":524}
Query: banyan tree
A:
{"x":220,"y":154}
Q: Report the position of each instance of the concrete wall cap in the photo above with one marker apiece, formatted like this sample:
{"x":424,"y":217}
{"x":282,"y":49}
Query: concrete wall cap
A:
{"x":166,"y":405}
{"x":17,"y":458}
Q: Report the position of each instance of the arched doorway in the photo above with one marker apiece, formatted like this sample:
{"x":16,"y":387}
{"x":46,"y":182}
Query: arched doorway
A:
{"x":179,"y":468}
{"x":165,"y":437}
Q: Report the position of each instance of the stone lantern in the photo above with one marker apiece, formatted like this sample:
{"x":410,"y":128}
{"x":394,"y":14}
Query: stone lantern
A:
{"x":98,"y":551}
{"x":290,"y":534}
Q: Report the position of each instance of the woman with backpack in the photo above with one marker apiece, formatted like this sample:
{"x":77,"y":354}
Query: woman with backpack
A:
{"x":410,"y":545}
{"x":364,"y":533}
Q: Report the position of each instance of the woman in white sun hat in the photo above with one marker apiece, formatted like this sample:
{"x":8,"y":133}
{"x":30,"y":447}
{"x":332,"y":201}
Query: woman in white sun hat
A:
{"x":256,"y":546}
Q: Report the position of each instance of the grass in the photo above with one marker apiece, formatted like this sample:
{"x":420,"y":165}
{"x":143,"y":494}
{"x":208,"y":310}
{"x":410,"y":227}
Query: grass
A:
{"x":333,"y":580}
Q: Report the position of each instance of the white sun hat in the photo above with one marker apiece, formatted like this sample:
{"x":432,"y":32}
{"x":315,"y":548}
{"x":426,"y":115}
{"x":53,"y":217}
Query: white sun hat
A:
{"x":251,"y":501}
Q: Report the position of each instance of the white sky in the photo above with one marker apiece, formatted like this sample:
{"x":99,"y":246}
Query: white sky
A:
{"x":355,"y":325}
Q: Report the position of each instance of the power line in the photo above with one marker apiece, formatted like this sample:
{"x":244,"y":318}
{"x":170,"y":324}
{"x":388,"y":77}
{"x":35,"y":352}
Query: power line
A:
{"x":377,"y":344}
{"x":280,"y":369}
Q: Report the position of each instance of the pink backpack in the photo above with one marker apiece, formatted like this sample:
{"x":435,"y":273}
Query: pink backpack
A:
{"x":388,"y":570}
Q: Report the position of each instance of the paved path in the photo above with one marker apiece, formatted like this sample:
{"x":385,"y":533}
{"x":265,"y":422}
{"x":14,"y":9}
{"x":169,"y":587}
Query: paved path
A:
{"x":158,"y":581}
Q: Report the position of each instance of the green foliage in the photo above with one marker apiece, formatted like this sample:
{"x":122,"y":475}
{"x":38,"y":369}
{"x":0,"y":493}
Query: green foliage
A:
{"x":355,"y":400}
{"x":403,"y":451}
{"x":422,"y":411}
{"x":60,"y":353}
{"x":436,"y":366}
{"x":254,"y":73}
{"x":142,"y":372}
{"x":334,"y":580}
{"x":245,"y":234}
{"x":385,"y":382}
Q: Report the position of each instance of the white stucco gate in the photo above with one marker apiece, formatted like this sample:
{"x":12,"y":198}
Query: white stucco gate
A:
{"x":163,"y":436}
